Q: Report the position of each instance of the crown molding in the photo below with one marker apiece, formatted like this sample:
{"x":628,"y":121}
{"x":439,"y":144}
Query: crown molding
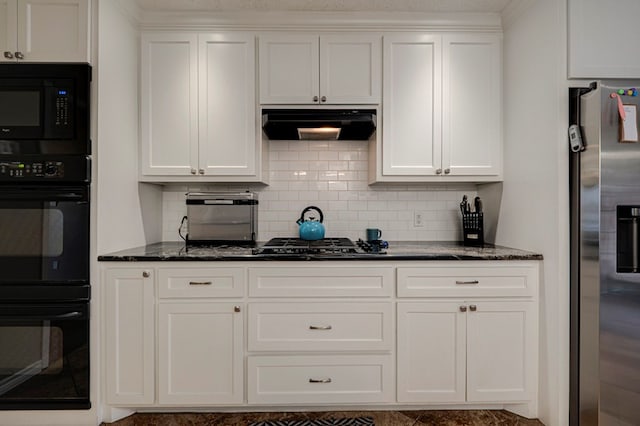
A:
{"x":319,"y":21}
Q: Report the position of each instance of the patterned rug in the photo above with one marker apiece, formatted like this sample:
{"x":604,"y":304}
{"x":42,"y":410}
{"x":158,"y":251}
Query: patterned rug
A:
{"x":357,"y":421}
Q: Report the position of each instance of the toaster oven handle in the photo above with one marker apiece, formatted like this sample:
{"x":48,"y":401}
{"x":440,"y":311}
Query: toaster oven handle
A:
{"x":218,"y":202}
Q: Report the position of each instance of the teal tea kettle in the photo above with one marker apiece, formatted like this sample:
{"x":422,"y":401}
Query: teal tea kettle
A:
{"x":311,"y":227}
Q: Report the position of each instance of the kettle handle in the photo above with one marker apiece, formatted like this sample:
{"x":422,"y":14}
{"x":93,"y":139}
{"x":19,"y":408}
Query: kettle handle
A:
{"x":309,"y":209}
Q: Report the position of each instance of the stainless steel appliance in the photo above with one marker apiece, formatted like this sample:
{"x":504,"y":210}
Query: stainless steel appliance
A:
{"x":44,"y":109}
{"x":605,"y":250}
{"x":327,"y":246}
{"x":222,"y":217}
{"x":44,"y":282}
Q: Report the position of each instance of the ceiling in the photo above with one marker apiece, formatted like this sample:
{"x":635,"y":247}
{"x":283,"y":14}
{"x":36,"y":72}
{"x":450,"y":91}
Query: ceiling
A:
{"x":447,"y":6}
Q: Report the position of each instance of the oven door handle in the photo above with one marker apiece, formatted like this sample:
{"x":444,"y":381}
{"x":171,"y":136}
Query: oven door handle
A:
{"x":68,"y":315}
{"x":47,"y":312}
{"x":41,"y":193}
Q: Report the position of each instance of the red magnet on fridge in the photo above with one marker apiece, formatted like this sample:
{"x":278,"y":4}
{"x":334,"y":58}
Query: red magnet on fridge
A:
{"x":623,"y":116}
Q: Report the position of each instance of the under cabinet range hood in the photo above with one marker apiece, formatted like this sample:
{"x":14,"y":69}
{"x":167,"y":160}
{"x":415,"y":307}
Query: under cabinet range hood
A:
{"x":318,"y":124}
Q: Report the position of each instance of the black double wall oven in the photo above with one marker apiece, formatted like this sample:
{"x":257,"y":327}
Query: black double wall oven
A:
{"x":45,"y":176}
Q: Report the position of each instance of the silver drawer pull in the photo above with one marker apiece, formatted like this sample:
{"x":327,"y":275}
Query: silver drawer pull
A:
{"x":327,"y":380}
{"x":320,"y":327}
{"x":200,"y":283}
{"x":467,"y":282}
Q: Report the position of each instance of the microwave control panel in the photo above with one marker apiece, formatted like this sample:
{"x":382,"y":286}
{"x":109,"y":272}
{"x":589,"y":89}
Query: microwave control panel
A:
{"x":62,"y":108}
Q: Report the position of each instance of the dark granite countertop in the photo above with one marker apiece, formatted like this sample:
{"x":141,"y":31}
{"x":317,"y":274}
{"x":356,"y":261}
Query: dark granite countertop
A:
{"x":407,"y":250}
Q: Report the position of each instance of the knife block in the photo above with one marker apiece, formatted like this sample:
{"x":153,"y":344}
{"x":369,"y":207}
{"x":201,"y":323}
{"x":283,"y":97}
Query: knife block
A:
{"x":473,"y":229}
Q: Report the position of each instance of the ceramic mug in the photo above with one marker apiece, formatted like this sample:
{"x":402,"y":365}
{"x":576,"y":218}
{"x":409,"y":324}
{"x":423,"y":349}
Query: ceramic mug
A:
{"x":373,"y":234}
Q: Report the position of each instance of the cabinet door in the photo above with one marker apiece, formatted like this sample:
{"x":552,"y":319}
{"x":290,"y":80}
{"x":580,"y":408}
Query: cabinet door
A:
{"x":602,"y":36}
{"x":471,"y":129}
{"x":502,"y":351}
{"x":431,"y":352}
{"x":200,"y":358}
{"x":227,"y":125}
{"x":129,"y":341}
{"x":350,"y":69}
{"x":412,"y":105}
{"x":54,"y":30}
{"x":169,"y":107}
{"x":8,"y":30}
{"x":289,"y":69}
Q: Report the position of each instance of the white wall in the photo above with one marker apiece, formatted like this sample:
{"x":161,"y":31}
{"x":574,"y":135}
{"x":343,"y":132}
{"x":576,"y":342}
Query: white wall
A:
{"x":534,"y":211}
{"x":333,"y":177}
{"x":120,"y":210}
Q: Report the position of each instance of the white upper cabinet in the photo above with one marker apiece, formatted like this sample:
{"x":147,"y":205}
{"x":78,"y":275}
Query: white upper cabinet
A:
{"x":326,"y":69}
{"x":198,"y":107}
{"x":471,"y":105}
{"x":227,"y":96}
{"x":412,"y":97}
{"x":169,"y":121}
{"x":44,"y":30}
{"x":442,"y":108}
{"x":603,"y":38}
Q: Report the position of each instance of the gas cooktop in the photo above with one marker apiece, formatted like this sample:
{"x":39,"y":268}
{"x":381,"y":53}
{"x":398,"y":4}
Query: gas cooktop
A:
{"x":333,"y":246}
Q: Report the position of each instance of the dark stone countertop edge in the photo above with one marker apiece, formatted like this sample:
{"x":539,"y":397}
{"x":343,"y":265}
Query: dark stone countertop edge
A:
{"x":399,"y":251}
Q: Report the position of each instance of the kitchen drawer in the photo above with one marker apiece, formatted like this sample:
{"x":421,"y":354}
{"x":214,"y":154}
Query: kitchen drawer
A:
{"x":328,"y":281}
{"x":469,"y":279}
{"x":200,"y":282}
{"x":320,"y":326}
{"x":339,"y":379}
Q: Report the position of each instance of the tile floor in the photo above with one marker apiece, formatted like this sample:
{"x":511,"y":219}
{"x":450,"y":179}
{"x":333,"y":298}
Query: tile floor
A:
{"x":381,"y":418}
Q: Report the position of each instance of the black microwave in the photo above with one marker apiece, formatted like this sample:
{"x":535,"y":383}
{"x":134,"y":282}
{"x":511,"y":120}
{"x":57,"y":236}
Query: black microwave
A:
{"x":44,"y":109}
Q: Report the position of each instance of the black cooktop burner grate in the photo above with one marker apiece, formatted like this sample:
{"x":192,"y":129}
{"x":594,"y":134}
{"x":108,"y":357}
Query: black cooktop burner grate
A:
{"x":324,"y":246}
{"x":299,"y":246}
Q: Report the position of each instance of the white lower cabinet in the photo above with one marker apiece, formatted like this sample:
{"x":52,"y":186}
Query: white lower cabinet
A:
{"x":129,"y":336}
{"x":320,"y":379}
{"x":467,"y":351}
{"x":467,"y":332}
{"x":320,"y":334}
{"x":200,"y":358}
{"x":325,"y":326}
{"x":207,"y":334}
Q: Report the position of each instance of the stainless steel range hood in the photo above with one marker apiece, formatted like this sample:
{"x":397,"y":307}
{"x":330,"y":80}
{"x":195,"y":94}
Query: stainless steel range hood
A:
{"x":318,"y":124}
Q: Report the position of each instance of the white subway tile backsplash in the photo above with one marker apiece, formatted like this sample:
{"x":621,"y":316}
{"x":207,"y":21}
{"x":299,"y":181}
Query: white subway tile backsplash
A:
{"x":333,"y":176}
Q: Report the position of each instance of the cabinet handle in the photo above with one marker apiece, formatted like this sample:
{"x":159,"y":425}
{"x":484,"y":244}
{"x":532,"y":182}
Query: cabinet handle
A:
{"x":467,"y":282}
{"x":201,"y":171}
{"x":447,"y":171}
{"x":315,"y":99}
{"x":193,"y":171}
{"x":320,"y":327}
{"x":8,"y":55}
{"x":326,"y":380}
{"x":146,"y":274}
{"x":463,"y":308}
{"x":473,"y":308}
{"x":236,"y":309}
{"x":323,"y":99}
{"x":200,"y":283}
{"x":19,"y":55}
{"x":438,"y":171}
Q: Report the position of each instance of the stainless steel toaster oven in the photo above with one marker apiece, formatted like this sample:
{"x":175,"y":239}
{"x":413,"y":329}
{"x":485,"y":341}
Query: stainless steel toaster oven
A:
{"x":222,"y":217}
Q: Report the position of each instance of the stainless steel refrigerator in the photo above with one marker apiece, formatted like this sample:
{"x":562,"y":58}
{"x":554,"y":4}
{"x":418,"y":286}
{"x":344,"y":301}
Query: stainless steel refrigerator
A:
{"x":605,"y":254}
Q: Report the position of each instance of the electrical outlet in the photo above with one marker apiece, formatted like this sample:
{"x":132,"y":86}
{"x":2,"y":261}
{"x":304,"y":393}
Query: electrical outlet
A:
{"x":418,"y":219}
